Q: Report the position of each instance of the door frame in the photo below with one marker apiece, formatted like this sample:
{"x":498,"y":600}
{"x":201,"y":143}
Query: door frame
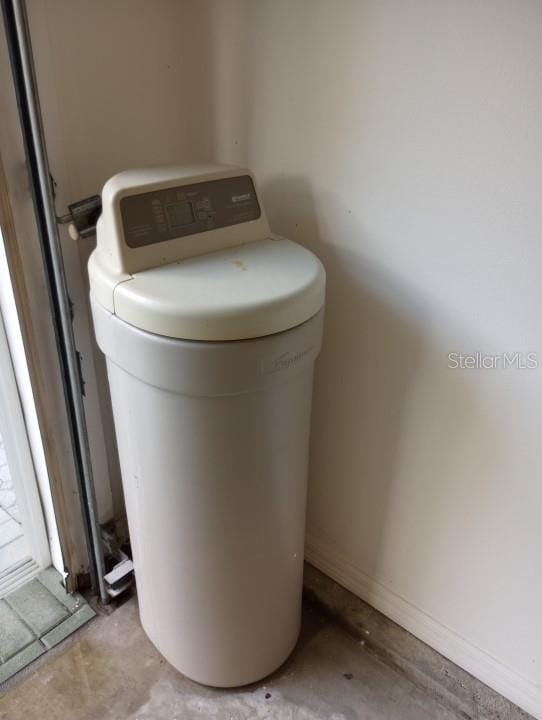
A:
{"x":35,"y":314}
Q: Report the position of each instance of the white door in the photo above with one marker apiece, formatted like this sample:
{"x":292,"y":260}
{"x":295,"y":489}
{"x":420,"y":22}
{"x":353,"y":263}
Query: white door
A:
{"x":24,"y":547}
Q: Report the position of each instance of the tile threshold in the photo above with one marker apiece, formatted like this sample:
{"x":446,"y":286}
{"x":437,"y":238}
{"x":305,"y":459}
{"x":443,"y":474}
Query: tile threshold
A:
{"x":36,"y":617}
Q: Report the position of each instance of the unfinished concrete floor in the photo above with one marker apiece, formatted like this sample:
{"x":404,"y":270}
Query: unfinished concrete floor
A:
{"x":112,"y":671}
{"x":109,"y":670}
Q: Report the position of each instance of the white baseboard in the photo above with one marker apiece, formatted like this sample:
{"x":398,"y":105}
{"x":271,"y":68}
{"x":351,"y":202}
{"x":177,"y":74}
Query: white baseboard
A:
{"x":492,"y":672}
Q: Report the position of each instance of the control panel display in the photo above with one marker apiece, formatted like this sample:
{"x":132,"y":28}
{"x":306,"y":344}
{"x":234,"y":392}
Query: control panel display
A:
{"x":179,"y":215}
{"x":161,"y":215}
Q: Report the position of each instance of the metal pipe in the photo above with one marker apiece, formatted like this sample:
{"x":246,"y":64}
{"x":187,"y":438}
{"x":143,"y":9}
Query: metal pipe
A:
{"x":18,"y":36}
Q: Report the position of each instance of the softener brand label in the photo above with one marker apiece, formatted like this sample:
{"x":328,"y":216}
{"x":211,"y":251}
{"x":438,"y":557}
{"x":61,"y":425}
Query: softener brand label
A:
{"x":287,"y":360}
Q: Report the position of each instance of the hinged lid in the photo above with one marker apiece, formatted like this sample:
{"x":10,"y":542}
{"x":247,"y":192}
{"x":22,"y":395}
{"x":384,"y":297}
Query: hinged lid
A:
{"x":249,"y":291}
{"x":187,"y":253}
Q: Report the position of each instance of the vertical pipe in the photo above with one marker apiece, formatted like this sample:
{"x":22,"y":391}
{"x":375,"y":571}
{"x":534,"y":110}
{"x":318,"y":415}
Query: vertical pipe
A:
{"x":18,"y":36}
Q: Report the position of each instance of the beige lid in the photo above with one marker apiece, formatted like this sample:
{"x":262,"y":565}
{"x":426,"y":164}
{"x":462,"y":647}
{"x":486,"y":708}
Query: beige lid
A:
{"x":248,"y":291}
{"x":224,"y":277}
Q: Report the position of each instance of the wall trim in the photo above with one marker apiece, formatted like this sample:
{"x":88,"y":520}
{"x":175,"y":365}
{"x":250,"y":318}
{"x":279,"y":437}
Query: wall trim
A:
{"x":515,"y":687}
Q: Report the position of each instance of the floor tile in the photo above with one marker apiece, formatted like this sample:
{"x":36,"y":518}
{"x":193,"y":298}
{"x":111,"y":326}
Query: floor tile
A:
{"x":52,"y":581}
{"x":68,"y":626}
{"x":21,"y":660}
{"x":37,"y":606}
{"x":14,"y":634}
{"x":40,"y":608}
{"x":14,"y":512}
{"x":7,"y":498}
{"x":9,"y":531}
{"x":13,"y":553}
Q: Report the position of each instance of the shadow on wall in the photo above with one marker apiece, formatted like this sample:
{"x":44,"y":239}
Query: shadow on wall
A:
{"x":377,"y":345}
{"x":373,"y":343}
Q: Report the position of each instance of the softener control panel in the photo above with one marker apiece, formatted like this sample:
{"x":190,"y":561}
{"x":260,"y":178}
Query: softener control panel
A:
{"x":173,"y":212}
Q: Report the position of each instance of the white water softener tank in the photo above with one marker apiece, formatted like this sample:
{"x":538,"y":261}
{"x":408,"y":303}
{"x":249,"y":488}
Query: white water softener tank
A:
{"x":211,"y":326}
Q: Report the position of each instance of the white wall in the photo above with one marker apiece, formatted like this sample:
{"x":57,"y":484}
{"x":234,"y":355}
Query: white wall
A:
{"x":401,"y":141}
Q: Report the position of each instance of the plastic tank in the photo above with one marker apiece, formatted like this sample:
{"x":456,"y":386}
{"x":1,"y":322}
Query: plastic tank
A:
{"x":213,"y":437}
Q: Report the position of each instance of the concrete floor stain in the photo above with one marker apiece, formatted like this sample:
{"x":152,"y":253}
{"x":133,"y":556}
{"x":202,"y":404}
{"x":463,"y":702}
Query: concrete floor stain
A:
{"x":110,"y":671}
